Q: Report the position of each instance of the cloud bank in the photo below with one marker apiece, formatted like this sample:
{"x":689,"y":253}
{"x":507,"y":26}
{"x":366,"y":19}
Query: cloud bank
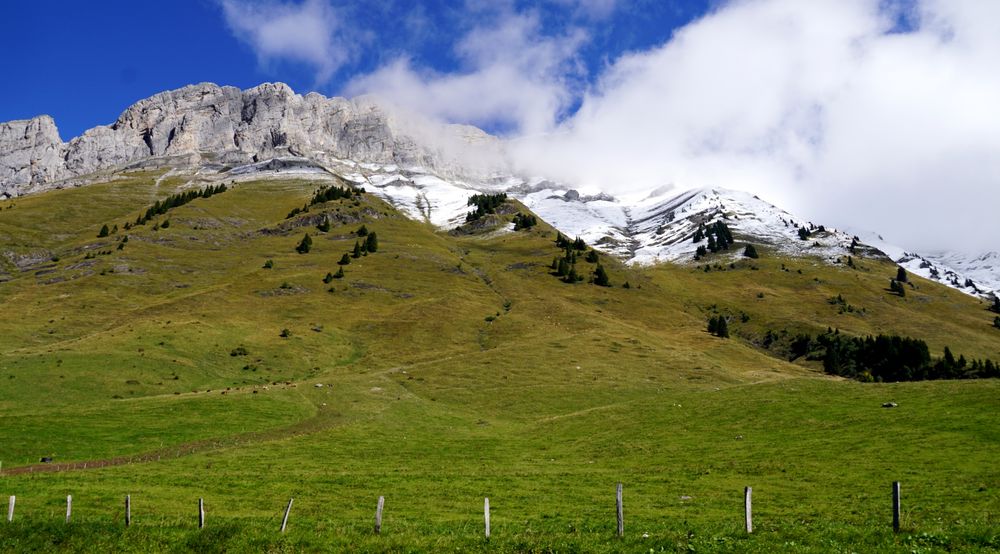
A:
{"x":868,"y":114}
{"x":826,"y":107}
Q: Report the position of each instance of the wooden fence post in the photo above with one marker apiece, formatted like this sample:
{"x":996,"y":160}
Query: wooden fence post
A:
{"x":895,"y":506}
{"x":284,"y":520}
{"x":486,"y":514}
{"x":69,"y":507}
{"x":201,"y":513}
{"x":620,"y":511}
{"x":128,"y":510}
{"x":748,"y":508}
{"x":10,"y":508}
{"x":378,"y":515}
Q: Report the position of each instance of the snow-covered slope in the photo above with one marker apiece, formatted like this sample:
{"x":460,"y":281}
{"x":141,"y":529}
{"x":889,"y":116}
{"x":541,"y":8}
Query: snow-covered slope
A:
{"x":657,"y":228}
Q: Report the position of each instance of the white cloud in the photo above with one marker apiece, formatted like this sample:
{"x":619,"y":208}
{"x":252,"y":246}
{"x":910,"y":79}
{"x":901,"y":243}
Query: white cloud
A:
{"x":511,"y":76}
{"x":306,"y":32}
{"x":818,"y":106}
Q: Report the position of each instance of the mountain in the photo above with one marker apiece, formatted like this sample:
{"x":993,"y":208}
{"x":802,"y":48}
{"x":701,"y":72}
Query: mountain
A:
{"x":177,"y":343}
{"x":425,"y":169}
{"x":215,"y":127}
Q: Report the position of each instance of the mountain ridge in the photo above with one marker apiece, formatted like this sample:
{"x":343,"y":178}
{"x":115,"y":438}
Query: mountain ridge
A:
{"x":427,"y":170}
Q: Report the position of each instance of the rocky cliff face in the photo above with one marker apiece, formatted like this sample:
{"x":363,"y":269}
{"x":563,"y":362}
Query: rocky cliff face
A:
{"x":209,"y":124}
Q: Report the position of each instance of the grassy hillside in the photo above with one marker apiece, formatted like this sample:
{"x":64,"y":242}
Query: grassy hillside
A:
{"x":453,"y":368}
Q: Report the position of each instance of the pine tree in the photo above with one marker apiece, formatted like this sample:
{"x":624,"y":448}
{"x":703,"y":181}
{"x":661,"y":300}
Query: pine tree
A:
{"x":712,"y":245}
{"x":996,"y":304}
{"x":803,"y":233}
{"x":591,"y":256}
{"x":555,"y":264}
{"x":114,"y":231}
{"x":304,"y":245}
{"x":601,"y":277}
{"x":901,"y":275}
{"x":269,"y":264}
{"x":340,"y":273}
{"x":104,"y":231}
{"x":578,"y":244}
{"x":713,"y":325}
{"x":328,"y":278}
{"x":996,"y":322}
{"x":897,"y":287}
{"x":345,"y":259}
{"x":561,"y":241}
{"x":701,"y":252}
{"x":362,"y":231}
{"x":371,"y":243}
{"x":699,"y":235}
{"x":563,"y":269}
{"x":750,"y":251}
{"x":722,"y":328}
{"x":165,"y":224}
{"x":572,"y":276}
{"x":356,"y":252}
{"x":324,"y":226}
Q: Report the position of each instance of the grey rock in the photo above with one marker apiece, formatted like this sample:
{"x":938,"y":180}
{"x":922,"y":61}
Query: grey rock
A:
{"x":206,"y":124}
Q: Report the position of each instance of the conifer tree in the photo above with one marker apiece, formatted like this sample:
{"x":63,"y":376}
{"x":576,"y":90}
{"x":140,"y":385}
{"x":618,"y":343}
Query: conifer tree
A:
{"x":573,"y":276}
{"x":324,"y":226}
{"x":996,"y":304}
{"x":712,"y":245}
{"x":563,"y":269}
{"x":699,"y":235}
{"x":750,"y":251}
{"x":578,"y":244}
{"x":701,"y":252}
{"x":713,"y":325}
{"x":340,"y":273}
{"x":901,"y":275}
{"x":345,"y":259}
{"x":356,"y":252}
{"x":371,"y":243}
{"x":592,"y":256}
{"x":996,"y":322}
{"x":601,"y":277}
{"x":328,"y":278}
{"x":104,"y":231}
{"x":304,"y":245}
{"x":555,"y":264}
{"x":722,"y":328}
{"x":362,"y":231}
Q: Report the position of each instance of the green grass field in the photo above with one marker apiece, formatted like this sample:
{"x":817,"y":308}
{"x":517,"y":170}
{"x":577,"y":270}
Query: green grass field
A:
{"x":453,"y":369}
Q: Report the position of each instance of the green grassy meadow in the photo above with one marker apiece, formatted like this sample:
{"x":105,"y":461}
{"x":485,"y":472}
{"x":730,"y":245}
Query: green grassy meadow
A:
{"x":444,"y":369}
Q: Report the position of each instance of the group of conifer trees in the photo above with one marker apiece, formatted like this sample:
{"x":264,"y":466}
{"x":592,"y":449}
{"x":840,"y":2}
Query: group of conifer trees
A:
{"x":485,"y":204}
{"x":893,"y":358}
{"x":564,"y":266}
{"x":161,"y":207}
{"x":720,"y":237}
{"x":719,"y":326}
{"x":327,"y":194}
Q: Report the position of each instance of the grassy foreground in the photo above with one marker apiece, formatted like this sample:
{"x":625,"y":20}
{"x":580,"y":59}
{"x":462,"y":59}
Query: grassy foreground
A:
{"x":453,"y":369}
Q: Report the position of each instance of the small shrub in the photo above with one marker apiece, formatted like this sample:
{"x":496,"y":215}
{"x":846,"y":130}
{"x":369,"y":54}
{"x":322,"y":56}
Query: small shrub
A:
{"x":285,"y":333}
{"x":238,"y":351}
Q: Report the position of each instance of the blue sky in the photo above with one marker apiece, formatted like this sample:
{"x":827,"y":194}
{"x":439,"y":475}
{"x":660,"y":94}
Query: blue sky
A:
{"x":876,"y":115}
{"x":84,"y":62}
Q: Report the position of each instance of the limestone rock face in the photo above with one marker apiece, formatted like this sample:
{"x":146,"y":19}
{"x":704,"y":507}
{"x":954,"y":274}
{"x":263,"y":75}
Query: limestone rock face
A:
{"x":208,"y":124}
{"x":31,"y":152}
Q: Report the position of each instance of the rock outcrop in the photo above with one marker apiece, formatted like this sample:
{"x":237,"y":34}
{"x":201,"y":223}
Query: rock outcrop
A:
{"x":224,"y":126}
